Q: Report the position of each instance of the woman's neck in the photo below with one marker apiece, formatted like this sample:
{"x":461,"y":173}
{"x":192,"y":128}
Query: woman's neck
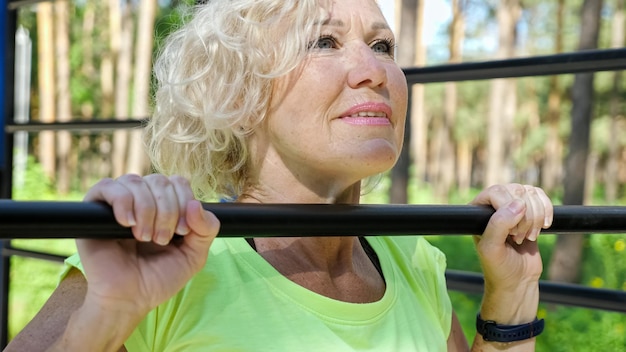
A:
{"x":336,"y":267}
{"x":264,"y":193}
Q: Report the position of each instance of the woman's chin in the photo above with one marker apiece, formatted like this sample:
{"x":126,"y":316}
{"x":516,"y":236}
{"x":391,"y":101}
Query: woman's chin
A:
{"x":375,"y":163}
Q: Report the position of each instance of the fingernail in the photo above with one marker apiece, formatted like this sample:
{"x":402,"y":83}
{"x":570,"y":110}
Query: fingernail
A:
{"x":146,"y":236}
{"x":516,"y":206}
{"x":519,"y":240}
{"x":130,"y":218}
{"x":546,"y":222}
{"x":163,"y":241}
{"x":182,"y":229}
{"x":533,"y":235}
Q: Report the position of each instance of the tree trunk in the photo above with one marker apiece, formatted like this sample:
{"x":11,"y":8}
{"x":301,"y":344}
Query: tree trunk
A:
{"x":552,"y":165}
{"x":107,"y":85}
{"x":464,"y":165}
{"x":64,"y":99}
{"x":137,"y":158}
{"x":419,"y":122}
{"x":84,"y":160}
{"x":87,"y":49}
{"x":109,"y":57}
{"x":616,"y":107}
{"x":406,"y":57}
{"x":448,"y":169}
{"x":502,"y":102}
{"x":466,"y":143}
{"x":122,"y":81}
{"x":47,"y":105}
{"x":568,"y":251}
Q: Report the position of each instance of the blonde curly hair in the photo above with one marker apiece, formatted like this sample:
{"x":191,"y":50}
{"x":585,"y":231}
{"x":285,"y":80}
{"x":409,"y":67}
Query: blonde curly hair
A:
{"x":215,"y":78}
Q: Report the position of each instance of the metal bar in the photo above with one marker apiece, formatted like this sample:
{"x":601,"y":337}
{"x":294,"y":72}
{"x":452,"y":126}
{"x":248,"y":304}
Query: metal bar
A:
{"x":549,"y":292}
{"x":41,"y":219}
{"x":9,"y":251}
{"x":8,"y":22}
{"x":16,"y":4}
{"x":567,"y":63}
{"x":89,"y":126}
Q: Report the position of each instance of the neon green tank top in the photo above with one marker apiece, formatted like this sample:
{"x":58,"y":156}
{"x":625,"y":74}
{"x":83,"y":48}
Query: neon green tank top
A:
{"x":239,"y":302}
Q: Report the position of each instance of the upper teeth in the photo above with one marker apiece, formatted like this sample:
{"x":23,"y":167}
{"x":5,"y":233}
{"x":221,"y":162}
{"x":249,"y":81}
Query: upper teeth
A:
{"x":369,"y":114}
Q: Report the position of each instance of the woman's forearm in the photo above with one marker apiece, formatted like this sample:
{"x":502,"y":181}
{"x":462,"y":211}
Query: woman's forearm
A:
{"x":504,"y":307}
{"x":511,"y":307}
{"x":98,"y":329}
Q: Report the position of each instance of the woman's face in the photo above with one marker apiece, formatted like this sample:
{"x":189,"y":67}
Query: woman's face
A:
{"x":340,"y":116}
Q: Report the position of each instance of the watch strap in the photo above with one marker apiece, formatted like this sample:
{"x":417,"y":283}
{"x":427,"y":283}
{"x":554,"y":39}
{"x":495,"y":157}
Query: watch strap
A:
{"x":492,"y":331}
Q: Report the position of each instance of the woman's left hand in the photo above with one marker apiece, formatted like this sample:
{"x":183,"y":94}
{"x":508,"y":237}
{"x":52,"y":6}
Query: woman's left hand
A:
{"x":509,"y":253}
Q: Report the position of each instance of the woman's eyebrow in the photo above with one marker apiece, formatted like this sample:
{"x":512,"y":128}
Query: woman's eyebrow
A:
{"x":380,"y":25}
{"x":333,"y":22}
{"x":339,"y":23}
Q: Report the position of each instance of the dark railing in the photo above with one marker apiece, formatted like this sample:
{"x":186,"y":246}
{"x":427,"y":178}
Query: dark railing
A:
{"x":46,"y":219}
{"x":568,"y":63}
{"x":8,"y":20}
{"x":41,"y":219}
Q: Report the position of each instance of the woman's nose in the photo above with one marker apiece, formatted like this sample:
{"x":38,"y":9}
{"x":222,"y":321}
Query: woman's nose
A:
{"x":366,"y":69}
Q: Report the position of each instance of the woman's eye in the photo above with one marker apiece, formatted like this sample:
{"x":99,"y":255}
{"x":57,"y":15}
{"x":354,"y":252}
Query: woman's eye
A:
{"x":383,"y":46}
{"x":325,"y":42}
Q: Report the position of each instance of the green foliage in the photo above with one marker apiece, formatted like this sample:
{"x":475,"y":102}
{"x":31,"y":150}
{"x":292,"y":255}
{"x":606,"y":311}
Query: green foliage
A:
{"x":605,"y":262}
{"x":533,"y":146}
{"x":601,"y":130}
{"x":468,"y":125}
{"x":577,"y":329}
{"x":567,"y":328}
{"x":36,"y":184}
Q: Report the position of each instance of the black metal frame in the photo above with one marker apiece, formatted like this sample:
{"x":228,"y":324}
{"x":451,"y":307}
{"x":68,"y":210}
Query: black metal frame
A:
{"x":8,"y":19}
{"x":568,"y":63}
{"x":56,"y":219}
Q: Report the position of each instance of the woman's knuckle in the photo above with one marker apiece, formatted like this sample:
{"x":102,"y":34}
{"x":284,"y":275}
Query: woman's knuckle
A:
{"x":178,"y":179}
{"x":530,"y":189}
{"x":497,"y":188}
{"x":517,"y":189}
{"x":158,"y":180}
{"x":106,"y":182}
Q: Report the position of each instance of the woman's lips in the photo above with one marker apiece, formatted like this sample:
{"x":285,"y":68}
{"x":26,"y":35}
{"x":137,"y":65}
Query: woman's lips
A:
{"x":371,"y":113}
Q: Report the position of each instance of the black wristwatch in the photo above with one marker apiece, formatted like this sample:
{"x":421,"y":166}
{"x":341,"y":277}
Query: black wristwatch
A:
{"x":492,"y":331}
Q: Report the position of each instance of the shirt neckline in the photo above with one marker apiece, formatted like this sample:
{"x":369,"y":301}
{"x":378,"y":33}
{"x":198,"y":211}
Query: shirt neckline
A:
{"x":325,"y":307}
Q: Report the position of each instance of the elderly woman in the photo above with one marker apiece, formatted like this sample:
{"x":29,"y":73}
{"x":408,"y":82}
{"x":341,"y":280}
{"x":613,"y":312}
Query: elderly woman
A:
{"x":281,"y":101}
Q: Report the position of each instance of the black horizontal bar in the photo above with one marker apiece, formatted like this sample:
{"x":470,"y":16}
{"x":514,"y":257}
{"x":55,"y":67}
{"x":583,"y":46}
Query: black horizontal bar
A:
{"x":567,"y":63}
{"x":9,"y":251}
{"x":91,"y":125}
{"x":53,"y":219}
{"x":549,"y":292}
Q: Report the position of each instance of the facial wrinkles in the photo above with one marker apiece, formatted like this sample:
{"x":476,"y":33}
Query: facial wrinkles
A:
{"x":356,"y":19}
{"x":315,"y":93}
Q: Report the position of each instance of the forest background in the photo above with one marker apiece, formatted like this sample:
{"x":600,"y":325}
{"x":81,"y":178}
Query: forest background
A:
{"x":91,"y":61}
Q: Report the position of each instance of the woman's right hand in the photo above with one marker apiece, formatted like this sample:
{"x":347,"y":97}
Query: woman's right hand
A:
{"x":136,"y":275}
